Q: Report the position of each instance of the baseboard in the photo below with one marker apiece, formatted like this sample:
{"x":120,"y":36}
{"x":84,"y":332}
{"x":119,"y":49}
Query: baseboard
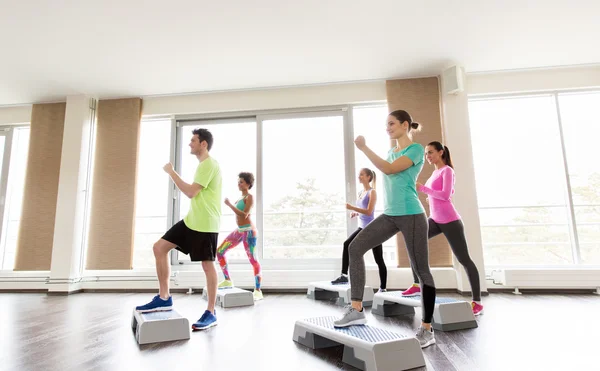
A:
{"x":63,"y":293}
{"x":542,"y":291}
{"x":295,"y":291}
{"x":469,"y":293}
{"x":23,"y":291}
{"x":130,"y":291}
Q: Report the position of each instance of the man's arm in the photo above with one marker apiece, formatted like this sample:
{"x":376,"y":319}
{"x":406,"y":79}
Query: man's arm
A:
{"x":190,"y":190}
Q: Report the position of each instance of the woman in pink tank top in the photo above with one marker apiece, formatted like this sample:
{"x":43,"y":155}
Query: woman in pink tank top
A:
{"x":443,"y":218}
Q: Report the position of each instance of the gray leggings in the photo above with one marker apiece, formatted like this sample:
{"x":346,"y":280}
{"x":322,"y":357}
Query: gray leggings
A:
{"x":455,"y":234}
{"x":414,"y":228}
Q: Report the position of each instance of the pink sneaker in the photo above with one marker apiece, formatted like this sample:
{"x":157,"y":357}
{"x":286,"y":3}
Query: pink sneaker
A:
{"x":412,"y":291}
{"x":477,"y":308}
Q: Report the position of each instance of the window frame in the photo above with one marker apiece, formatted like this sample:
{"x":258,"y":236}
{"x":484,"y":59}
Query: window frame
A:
{"x":344,"y":111}
{"x":167,"y":200}
{"x":175,"y":194}
{"x":572,"y":222}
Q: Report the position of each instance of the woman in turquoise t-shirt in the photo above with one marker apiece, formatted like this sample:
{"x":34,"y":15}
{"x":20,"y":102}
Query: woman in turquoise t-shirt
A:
{"x":404,"y":213}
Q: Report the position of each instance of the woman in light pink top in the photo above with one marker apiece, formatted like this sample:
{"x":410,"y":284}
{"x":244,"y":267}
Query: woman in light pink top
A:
{"x":443,"y":218}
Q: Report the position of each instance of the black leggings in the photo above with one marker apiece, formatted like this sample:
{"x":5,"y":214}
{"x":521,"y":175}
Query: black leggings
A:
{"x":455,"y":234}
{"x":414,"y":231}
{"x":377,"y":254}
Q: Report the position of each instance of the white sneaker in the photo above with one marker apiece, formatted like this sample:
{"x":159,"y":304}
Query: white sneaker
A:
{"x":425,"y":337}
{"x":257,"y":294}
{"x":351,"y":317}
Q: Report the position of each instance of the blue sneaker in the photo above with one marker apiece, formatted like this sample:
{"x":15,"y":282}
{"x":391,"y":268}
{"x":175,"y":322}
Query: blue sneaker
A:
{"x":206,"y":321}
{"x":157,"y":304}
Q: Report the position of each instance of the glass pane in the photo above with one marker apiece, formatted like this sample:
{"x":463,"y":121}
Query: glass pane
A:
{"x":234,"y":148}
{"x":14,"y":195}
{"x":2,"y":246}
{"x":587,"y":215}
{"x":590,"y":251}
{"x":506,"y":133}
{"x":304,"y":188}
{"x":524,"y":216}
{"x":523,"y":204}
{"x":580,"y":122}
{"x":589,"y":240}
{"x":370,"y":122}
{"x":525,"y":235}
{"x":151,"y":190}
{"x":527,"y":254}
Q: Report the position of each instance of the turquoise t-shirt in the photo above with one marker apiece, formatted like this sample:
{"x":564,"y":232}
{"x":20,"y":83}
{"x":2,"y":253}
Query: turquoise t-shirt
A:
{"x":400,"y":196}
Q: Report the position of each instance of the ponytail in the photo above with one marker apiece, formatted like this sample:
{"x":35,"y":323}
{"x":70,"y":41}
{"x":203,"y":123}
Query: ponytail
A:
{"x":373,"y":180}
{"x":415,"y":126}
{"x":446,"y":157}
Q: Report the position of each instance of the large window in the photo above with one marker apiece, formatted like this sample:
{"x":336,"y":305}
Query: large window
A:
{"x":151,"y":190}
{"x":234,"y":148}
{"x":304,"y":187}
{"x":14,"y":147}
{"x":526,"y":204}
{"x":303,"y":178}
{"x":370,"y":122}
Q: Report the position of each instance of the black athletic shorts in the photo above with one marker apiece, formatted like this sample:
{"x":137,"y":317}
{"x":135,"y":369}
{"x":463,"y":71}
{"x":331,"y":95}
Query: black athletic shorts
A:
{"x":200,"y":246}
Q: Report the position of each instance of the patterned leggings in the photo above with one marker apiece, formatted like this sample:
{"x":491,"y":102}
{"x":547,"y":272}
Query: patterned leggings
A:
{"x":246,"y":235}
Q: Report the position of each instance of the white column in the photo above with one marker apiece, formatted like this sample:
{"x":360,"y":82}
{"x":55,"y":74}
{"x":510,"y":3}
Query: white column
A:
{"x":457,"y":137}
{"x":68,"y":249}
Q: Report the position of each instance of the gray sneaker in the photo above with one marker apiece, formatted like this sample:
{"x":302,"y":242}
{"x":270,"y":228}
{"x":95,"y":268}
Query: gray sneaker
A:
{"x":351,"y":317}
{"x":425,"y":337}
{"x":340,"y":280}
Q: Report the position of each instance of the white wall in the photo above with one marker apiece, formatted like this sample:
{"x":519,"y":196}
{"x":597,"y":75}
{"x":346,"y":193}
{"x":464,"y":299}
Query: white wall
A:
{"x":15,"y":114}
{"x":254,"y":100}
{"x":533,"y":80}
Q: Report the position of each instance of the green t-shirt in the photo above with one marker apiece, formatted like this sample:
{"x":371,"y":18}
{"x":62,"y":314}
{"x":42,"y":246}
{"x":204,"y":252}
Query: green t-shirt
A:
{"x":205,"y":208}
{"x":400,"y":189}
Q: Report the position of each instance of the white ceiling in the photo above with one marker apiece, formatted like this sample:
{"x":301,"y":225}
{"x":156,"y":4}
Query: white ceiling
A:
{"x":115,"y":48}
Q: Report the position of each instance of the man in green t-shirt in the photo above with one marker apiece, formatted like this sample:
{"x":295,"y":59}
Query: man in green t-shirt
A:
{"x":195,"y":235}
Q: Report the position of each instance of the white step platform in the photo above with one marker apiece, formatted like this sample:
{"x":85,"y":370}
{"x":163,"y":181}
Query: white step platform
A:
{"x":365,"y":347}
{"x":157,"y":327}
{"x":231,"y":297}
{"x":449,"y":314}
{"x":325,"y":290}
